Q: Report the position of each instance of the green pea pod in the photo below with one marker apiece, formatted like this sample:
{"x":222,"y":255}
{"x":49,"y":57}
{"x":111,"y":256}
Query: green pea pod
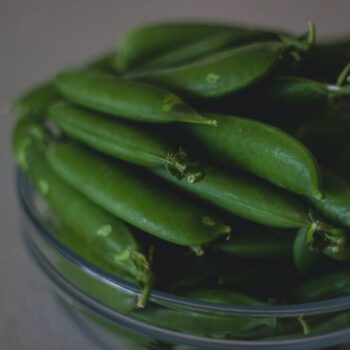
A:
{"x":221,"y":74}
{"x":108,"y":237}
{"x":336,"y":202}
{"x":205,"y":47}
{"x":126,"y":99}
{"x":207,"y":324}
{"x":134,"y":197}
{"x":26,"y":130}
{"x":258,"y":245}
{"x":260,"y":149}
{"x":302,"y":94}
{"x":117,"y":299}
{"x":306,"y":260}
{"x":36,"y":101}
{"x":331,"y":285}
{"x":144,"y":43}
{"x":120,"y":139}
{"x":247,"y":197}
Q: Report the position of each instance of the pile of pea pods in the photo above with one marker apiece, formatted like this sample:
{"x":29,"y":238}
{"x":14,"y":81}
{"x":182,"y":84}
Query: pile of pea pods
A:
{"x":207,"y":160}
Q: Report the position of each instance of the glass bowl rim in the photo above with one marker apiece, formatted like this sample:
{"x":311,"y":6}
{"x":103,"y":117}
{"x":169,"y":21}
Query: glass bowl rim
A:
{"x":26,"y":192}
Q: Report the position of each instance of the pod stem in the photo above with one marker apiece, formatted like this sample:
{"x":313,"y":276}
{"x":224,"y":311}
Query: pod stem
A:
{"x":312,"y":34}
{"x":304,"y":325}
{"x":178,"y":165}
{"x":198,"y":250}
{"x":344,"y":75}
{"x":144,"y":275}
{"x":203,"y":121}
{"x":325,"y":238}
{"x":302,"y":43}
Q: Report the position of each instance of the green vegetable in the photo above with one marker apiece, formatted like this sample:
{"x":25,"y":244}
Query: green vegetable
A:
{"x":220,"y":74}
{"x":126,"y":99}
{"x":246,"y":196}
{"x":206,"y":47}
{"x":36,"y":101}
{"x":147,"y":42}
{"x":258,"y":245}
{"x":207,"y":324}
{"x":134,"y":198}
{"x":123,"y":140}
{"x":108,"y":237}
{"x":336,"y":202}
{"x":260,"y":149}
{"x":301,"y":94}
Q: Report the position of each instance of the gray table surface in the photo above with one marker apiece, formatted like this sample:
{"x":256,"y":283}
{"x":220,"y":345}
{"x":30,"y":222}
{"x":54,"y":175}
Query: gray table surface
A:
{"x":37,"y":39}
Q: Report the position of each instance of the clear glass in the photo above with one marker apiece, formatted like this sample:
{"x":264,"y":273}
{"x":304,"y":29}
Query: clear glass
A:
{"x":104,"y":303}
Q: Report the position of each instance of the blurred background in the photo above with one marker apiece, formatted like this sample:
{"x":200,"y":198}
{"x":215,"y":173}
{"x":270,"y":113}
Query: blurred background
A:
{"x":40,"y":37}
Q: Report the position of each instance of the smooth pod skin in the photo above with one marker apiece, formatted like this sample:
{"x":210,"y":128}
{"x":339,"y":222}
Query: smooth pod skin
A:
{"x":108,"y":238}
{"x":207,"y":46}
{"x":221,"y":74}
{"x":120,"y":139}
{"x":126,"y":99}
{"x":258,"y":245}
{"x":117,"y":299}
{"x":331,"y":285}
{"x":35,"y":102}
{"x":207,"y":324}
{"x":336,"y":202}
{"x":301,"y":93}
{"x":246,"y":196}
{"x":260,"y":149}
{"x":133,"y":197}
{"x":144,"y":43}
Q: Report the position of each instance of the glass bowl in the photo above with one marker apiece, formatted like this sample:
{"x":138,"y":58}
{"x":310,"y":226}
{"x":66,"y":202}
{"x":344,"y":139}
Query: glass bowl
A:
{"x":104,"y":304}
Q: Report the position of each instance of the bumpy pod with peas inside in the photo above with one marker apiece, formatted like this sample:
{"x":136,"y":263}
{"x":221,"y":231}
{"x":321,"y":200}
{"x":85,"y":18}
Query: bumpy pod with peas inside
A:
{"x":121,"y":139}
{"x":209,"y":324}
{"x":134,"y":197}
{"x":126,"y":99}
{"x":35,"y":103}
{"x":145,"y":43}
{"x":108,"y":238}
{"x":304,"y":95}
{"x":259,"y":245}
{"x":260,"y":149}
{"x":220,"y":74}
{"x":246,"y":196}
